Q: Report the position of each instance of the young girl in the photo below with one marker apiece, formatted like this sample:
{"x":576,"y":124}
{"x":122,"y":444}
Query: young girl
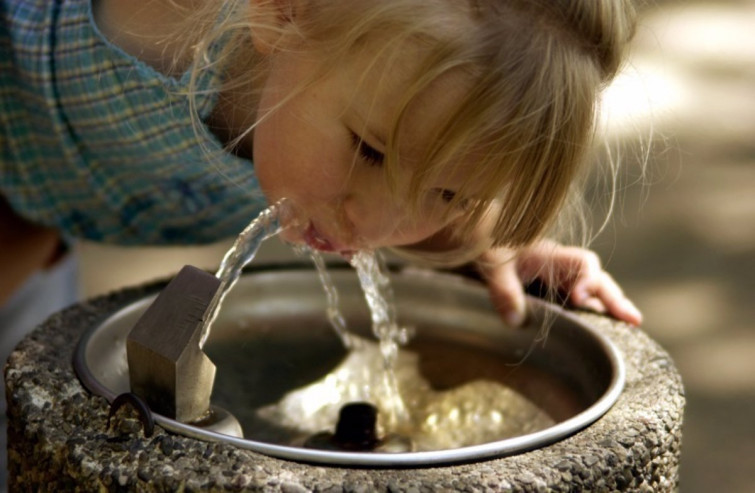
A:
{"x":450,"y":130}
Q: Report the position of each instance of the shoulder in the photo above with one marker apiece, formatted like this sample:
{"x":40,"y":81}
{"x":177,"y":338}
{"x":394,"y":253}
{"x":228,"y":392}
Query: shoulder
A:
{"x":149,"y":30}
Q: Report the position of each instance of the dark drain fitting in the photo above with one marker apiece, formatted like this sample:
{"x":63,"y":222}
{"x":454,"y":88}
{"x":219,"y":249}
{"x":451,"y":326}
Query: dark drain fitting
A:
{"x":357,"y":427}
{"x":356,"y":431}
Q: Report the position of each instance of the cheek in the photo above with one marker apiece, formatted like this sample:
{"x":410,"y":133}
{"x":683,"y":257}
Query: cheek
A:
{"x":433,"y":218}
{"x":278,"y":159}
{"x":414,"y":231}
{"x":300,"y":162}
{"x":383,"y":224}
{"x":382,"y":218}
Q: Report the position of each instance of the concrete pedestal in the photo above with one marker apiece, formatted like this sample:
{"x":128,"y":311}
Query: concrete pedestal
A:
{"x":58,"y":438}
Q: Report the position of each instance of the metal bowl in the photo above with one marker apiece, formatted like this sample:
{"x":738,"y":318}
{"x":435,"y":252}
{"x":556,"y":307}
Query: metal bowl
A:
{"x":272,"y":336}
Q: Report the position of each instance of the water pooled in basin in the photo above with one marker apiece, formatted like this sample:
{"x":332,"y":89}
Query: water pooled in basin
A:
{"x":477,"y":412}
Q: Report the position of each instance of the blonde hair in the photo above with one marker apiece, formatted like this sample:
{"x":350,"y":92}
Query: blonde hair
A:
{"x":536,"y":69}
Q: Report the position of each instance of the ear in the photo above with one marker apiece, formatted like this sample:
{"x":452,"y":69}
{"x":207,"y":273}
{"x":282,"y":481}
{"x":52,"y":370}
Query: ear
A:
{"x":269,"y":22}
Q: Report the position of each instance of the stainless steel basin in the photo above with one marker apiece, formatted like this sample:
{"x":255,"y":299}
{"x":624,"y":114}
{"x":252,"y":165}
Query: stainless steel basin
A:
{"x":272,"y":336}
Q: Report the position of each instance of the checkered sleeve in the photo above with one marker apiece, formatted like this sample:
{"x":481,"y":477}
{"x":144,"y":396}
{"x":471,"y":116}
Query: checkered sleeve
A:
{"x":101,"y":145}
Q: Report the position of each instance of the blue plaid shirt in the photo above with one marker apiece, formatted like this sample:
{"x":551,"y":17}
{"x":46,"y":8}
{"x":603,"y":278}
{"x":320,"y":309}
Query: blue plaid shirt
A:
{"x":100,"y":145}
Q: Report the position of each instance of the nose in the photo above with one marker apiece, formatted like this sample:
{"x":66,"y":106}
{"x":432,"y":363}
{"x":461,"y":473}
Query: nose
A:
{"x":370,"y":219}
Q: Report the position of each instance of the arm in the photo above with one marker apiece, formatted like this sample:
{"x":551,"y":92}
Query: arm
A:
{"x":24,"y":249}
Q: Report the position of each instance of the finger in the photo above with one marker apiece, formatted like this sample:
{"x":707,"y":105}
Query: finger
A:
{"x":587,"y":281}
{"x":595,"y":304}
{"x":507,"y":293}
{"x":602,"y":294}
{"x":616,"y":302}
{"x":559,"y":266}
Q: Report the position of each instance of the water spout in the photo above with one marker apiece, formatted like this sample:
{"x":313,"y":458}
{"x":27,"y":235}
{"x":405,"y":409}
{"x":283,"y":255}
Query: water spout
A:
{"x":167,"y":365}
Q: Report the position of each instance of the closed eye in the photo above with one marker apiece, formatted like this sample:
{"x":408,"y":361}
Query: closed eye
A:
{"x":449,"y":196}
{"x":369,"y":154}
{"x":446,"y":195}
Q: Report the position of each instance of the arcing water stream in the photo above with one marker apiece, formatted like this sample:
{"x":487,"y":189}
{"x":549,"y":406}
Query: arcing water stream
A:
{"x":243,"y":251}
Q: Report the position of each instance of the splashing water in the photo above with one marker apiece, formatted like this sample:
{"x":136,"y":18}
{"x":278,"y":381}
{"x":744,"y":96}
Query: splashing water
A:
{"x":243,"y":251}
{"x":476,"y":412}
{"x":379,"y":296}
{"x":332,"y":311}
{"x":378,"y":377}
{"x":378,"y":293}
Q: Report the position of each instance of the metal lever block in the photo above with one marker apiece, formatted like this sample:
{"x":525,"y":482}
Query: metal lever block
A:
{"x":167,"y":367}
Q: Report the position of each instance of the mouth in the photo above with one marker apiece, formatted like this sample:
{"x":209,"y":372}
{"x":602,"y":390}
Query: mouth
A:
{"x":315,"y":240}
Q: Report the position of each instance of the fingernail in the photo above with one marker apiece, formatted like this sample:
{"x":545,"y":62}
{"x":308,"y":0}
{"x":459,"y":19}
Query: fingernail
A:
{"x":595,"y":305}
{"x":635,"y":313}
{"x":578,"y":296}
{"x":516,"y":316}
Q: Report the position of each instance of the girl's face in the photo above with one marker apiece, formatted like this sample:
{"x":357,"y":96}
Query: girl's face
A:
{"x":322,"y":149}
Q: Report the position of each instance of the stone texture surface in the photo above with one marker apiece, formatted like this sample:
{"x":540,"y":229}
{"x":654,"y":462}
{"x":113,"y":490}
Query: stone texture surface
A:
{"x":59,"y":440}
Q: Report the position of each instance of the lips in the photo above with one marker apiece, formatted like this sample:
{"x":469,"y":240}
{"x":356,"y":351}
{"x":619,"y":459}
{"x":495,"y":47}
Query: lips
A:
{"x":313,"y":238}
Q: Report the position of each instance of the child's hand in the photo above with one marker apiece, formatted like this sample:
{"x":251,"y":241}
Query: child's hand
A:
{"x":574,"y":272}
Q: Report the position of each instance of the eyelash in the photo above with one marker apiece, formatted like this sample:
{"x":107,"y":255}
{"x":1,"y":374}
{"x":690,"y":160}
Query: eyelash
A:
{"x":448,"y":196}
{"x":371,"y":156}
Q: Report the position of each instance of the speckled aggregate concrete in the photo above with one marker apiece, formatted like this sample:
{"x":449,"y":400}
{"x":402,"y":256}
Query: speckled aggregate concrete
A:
{"x":59,"y":441}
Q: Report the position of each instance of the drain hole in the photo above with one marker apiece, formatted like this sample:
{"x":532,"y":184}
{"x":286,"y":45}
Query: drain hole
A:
{"x":357,"y":427}
{"x":356,"y":431}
